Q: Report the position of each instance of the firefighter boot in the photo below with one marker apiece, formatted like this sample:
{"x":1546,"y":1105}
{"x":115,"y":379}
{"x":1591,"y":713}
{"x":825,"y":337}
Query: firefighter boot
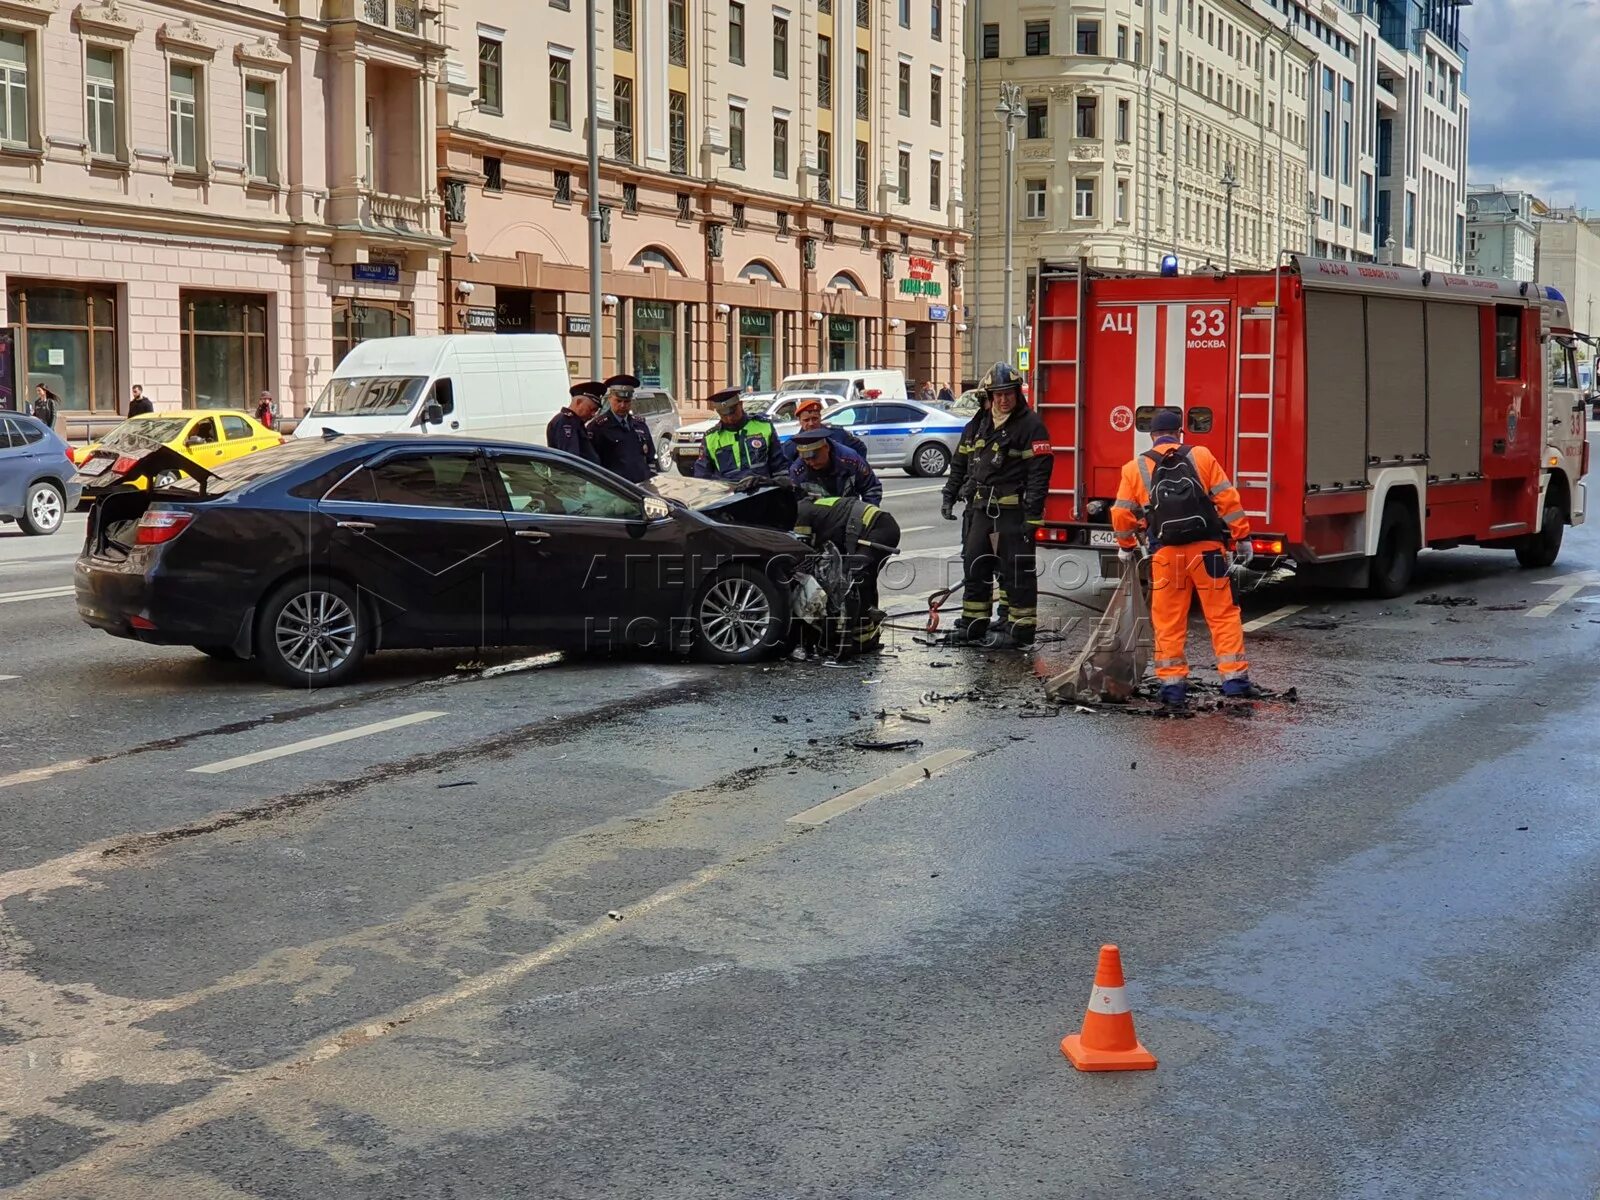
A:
{"x":1237,"y":687}
{"x":970,"y":631}
{"x":1007,"y":635}
{"x":1175,"y":696}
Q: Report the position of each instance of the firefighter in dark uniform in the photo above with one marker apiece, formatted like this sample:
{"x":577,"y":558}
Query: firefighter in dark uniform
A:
{"x":1002,"y":470}
{"x":741,"y":447}
{"x":822,"y":463}
{"x":569,"y":429}
{"x":621,"y":439}
{"x":866,"y":536}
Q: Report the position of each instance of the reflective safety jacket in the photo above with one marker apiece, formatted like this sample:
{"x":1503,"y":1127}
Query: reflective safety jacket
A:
{"x":1005,"y":466}
{"x":1133,"y":496}
{"x":750,"y":448}
{"x":844,"y":521}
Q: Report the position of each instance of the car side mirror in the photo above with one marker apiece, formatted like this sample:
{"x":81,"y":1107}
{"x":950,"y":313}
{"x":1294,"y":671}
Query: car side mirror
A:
{"x":433,"y":413}
{"x":656,"y":509}
{"x":194,"y":440}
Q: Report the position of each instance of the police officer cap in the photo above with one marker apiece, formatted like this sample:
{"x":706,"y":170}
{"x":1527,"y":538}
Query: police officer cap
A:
{"x":622,"y":384}
{"x":1166,"y":420}
{"x":724,"y":398}
{"x":592,"y":389}
{"x":806,"y":436}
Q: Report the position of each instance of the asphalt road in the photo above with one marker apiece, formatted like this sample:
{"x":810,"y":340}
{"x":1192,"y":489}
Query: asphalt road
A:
{"x":550,"y":928}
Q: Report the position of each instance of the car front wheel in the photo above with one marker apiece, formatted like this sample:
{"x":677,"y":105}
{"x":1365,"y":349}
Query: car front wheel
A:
{"x":44,"y":509}
{"x":930,"y":460}
{"x":311,"y":633}
{"x":739,"y":617}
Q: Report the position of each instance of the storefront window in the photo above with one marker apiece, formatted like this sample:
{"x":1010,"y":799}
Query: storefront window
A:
{"x":844,"y":352}
{"x":361,"y":320}
{"x":758,"y":349}
{"x":225,"y":346}
{"x":66,"y":339}
{"x":654,"y":344}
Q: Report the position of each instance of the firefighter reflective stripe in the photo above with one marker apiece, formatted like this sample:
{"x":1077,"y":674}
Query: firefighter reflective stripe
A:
{"x":1130,"y":506}
{"x":1218,"y":488}
{"x":1023,"y":618}
{"x":1236,"y":515}
{"x":975,"y":609}
{"x":1231,"y":664}
{"x":1180,"y":661}
{"x":1144,"y":473}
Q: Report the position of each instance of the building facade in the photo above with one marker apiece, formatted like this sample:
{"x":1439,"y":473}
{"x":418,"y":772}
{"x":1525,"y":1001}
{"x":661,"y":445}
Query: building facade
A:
{"x":1569,"y":261}
{"x":212,"y":200}
{"x":1328,"y":128}
{"x":1502,"y":239}
{"x":780,"y":185}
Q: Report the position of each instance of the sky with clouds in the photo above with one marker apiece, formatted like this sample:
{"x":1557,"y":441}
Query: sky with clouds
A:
{"x":1531,"y":77}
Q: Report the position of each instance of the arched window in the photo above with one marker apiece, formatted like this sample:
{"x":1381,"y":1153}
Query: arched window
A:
{"x":844,"y":281}
{"x":760,"y":269}
{"x":655,"y":256}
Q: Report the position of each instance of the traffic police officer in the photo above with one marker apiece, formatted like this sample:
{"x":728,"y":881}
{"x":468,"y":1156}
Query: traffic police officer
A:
{"x":569,"y":429}
{"x":741,"y":446}
{"x":1002,"y":471}
{"x":822,"y":463}
{"x":621,"y":439}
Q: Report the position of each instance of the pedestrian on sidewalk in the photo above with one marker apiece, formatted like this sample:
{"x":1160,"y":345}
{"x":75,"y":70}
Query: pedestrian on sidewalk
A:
{"x":46,"y":405}
{"x":266,"y":411}
{"x":139,"y":404}
{"x":1195,"y":526}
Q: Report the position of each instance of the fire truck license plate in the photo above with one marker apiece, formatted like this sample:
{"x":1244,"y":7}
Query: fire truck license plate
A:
{"x":1102,"y":537}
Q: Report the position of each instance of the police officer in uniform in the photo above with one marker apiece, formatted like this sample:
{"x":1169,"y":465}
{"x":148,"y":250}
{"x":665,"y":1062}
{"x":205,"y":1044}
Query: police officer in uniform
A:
{"x":569,"y":429}
{"x":809,"y":413}
{"x":821,"y":463}
{"x":1002,"y":471}
{"x":621,"y":439}
{"x":741,"y":447}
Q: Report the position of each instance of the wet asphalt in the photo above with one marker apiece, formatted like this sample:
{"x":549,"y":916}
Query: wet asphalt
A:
{"x":562,"y":939}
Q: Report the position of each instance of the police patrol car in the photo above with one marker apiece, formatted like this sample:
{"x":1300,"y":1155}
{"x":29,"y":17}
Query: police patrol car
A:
{"x":917,"y":437}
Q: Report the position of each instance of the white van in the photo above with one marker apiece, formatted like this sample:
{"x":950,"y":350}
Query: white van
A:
{"x":844,"y":386}
{"x":486,"y":385}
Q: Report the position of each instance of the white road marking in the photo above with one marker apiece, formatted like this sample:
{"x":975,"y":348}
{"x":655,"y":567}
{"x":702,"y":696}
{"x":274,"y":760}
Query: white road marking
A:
{"x":932,"y":552}
{"x":1567,"y":588}
{"x":54,"y":593}
{"x":1272,"y":618}
{"x":903,"y":777}
{"x":911,"y":491}
{"x":3,"y":678}
{"x":316,"y":743}
{"x":916,"y":529}
{"x":40,"y":774}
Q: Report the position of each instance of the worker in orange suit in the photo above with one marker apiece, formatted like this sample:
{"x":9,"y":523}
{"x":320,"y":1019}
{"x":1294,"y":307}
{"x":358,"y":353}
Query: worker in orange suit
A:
{"x":1194,"y":522}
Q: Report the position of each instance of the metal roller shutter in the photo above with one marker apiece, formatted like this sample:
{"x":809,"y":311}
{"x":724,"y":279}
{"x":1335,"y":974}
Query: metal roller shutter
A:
{"x":1455,"y":391}
{"x":1336,"y":390}
{"x":1397,"y":385}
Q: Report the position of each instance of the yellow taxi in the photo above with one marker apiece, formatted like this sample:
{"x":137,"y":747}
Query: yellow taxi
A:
{"x":205,"y":436}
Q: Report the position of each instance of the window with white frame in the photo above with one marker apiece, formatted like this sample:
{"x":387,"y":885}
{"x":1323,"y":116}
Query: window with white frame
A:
{"x":1035,"y":194}
{"x":102,"y":66}
{"x":260,"y":150}
{"x":935,"y":182}
{"x":15,"y":126}
{"x":560,"y":90}
{"x":1083,"y":197}
{"x":1122,"y":201}
{"x":736,"y":136}
{"x":936,"y":97}
{"x":184,"y":115}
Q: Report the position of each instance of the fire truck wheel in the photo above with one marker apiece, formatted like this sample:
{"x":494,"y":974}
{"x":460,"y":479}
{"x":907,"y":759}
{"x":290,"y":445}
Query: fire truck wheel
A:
{"x":1541,"y":549}
{"x":1396,"y":560}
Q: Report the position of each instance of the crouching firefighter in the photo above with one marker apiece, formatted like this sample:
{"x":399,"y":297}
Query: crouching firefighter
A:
{"x":1192,"y":515}
{"x":1002,"y":471}
{"x":865,"y":536}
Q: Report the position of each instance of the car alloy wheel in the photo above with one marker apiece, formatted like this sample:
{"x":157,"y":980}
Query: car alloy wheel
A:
{"x":735,"y":616}
{"x":46,"y":509}
{"x":316,"y":633}
{"x":932,"y":461}
{"x":165,"y":479}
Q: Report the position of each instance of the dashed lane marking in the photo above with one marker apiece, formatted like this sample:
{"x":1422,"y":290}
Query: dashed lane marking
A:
{"x":1567,"y":588}
{"x":54,"y":593}
{"x":4,"y":678}
{"x":904,"y":777}
{"x":911,"y":491}
{"x":1272,"y":618}
{"x":916,"y":529}
{"x":316,"y":743}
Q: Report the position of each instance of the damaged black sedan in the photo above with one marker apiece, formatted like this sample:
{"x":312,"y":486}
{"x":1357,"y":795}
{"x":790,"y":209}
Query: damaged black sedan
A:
{"x":310,"y":556}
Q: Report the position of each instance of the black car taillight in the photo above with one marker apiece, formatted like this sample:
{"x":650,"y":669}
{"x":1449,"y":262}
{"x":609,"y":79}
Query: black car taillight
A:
{"x":160,"y":525}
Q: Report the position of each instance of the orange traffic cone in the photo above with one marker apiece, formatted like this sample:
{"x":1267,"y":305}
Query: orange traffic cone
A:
{"x":1107,"y":1041}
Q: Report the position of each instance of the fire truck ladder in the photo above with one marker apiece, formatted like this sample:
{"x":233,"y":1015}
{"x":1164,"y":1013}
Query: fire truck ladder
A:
{"x":1072,"y":410}
{"x":1252,"y":426}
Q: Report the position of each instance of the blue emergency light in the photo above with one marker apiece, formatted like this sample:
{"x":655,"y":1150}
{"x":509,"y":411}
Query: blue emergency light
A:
{"x":1169,"y":264}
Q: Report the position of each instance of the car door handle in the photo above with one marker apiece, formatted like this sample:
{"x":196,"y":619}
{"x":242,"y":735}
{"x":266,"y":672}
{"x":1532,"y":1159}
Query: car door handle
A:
{"x":533,"y":535}
{"x":358,"y":526}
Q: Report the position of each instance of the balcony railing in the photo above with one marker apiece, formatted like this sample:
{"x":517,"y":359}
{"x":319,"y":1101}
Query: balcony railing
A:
{"x":864,"y":13}
{"x":861,"y":198}
{"x":677,"y":33}
{"x":622,"y":140}
{"x":403,"y":16}
{"x":622,"y":25}
{"x":824,"y":92}
{"x":403,"y":214}
{"x":825,"y":189}
{"x":862,"y":108}
{"x":825,"y":7}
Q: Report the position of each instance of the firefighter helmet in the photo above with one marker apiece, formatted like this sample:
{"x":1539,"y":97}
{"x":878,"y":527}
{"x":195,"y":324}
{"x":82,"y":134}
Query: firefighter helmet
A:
{"x":1000,"y":377}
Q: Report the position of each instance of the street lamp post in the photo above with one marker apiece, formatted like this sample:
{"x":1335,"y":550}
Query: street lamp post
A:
{"x":1010,"y":111}
{"x":592,"y":81}
{"x":1230,"y":183}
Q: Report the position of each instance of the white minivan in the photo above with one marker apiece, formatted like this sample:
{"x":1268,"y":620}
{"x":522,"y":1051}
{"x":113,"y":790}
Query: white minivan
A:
{"x":844,"y":387}
{"x":486,"y":385}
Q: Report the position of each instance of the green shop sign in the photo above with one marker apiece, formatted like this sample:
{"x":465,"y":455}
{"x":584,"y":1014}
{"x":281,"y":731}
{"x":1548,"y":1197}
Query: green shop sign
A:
{"x":921,"y":287}
{"x":755,"y":323}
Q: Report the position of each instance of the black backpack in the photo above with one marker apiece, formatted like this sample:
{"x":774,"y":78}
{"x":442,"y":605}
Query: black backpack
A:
{"x":1180,"y":511}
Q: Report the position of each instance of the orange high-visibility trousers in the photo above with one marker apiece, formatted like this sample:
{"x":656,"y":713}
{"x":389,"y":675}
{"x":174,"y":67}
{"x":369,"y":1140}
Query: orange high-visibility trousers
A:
{"x":1176,"y":572}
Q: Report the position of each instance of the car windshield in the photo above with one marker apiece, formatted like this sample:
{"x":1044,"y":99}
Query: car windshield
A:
{"x":822,"y":387}
{"x":144,"y":433}
{"x":368,"y":396}
{"x":236,"y":473}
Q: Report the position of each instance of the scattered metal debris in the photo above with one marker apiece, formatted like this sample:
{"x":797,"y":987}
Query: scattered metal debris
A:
{"x":1439,"y":600}
{"x":900,"y":744}
{"x":456,"y":784}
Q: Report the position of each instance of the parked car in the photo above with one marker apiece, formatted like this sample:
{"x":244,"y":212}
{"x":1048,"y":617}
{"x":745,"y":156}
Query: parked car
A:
{"x":36,"y":476}
{"x":844,"y":386}
{"x":206,"y":437}
{"x":687,"y":440}
{"x":655,"y":408}
{"x":920,"y":438}
{"x":310,"y":556}
{"x":967,"y":404}
{"x":474,"y":384}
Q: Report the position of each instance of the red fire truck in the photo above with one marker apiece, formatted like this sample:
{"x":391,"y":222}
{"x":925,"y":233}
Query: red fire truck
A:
{"x":1364,"y":411}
